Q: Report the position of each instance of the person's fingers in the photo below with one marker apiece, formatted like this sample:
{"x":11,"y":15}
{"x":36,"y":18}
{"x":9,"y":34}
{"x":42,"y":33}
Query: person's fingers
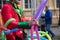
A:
{"x":1,"y":28}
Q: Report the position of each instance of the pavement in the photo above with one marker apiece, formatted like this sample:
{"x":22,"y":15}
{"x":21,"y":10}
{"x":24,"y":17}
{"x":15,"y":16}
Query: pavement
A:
{"x":56,"y":30}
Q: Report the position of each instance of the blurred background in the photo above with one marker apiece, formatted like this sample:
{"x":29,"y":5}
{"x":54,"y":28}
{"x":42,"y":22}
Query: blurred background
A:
{"x":30,"y":7}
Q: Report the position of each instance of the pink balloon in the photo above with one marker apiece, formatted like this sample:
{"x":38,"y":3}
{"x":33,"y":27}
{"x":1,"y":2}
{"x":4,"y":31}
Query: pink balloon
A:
{"x":36,"y":28}
{"x":32,"y":30}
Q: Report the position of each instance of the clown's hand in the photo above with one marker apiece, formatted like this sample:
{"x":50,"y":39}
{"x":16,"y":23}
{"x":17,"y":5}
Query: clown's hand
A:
{"x":3,"y":28}
{"x":33,"y":22}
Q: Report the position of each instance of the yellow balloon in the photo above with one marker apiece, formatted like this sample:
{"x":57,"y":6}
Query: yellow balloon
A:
{"x":45,"y":34}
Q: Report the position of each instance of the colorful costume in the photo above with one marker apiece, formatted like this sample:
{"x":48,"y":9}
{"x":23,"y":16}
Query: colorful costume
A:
{"x":15,"y":19}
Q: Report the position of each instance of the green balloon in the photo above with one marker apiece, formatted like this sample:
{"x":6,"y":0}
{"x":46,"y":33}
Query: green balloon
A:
{"x":3,"y":36}
{"x":42,"y":32}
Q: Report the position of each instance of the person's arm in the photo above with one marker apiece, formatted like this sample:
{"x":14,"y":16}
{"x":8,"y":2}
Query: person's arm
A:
{"x":3,"y":28}
{"x":48,"y":15}
{"x":7,"y":14}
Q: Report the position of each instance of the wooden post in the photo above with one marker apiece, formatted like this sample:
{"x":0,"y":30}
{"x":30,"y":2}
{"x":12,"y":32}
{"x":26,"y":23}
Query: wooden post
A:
{"x":59,"y":13}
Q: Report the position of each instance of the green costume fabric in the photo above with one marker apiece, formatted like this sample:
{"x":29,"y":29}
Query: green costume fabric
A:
{"x":24,"y":25}
{"x":21,"y":12}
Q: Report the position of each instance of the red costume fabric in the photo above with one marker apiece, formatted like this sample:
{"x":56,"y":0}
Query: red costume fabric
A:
{"x":7,"y":13}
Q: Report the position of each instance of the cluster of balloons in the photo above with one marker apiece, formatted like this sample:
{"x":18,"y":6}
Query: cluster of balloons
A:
{"x":36,"y":17}
{"x":43,"y":36}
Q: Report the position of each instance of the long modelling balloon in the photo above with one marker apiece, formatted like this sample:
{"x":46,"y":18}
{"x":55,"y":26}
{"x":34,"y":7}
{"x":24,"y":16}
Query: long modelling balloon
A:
{"x":3,"y":36}
{"x":37,"y":33}
{"x":42,"y":38}
{"x":40,"y":9}
{"x":10,"y":31}
{"x":36,"y":17}
{"x":35,"y":37}
{"x":32,"y":30}
{"x":43,"y":34}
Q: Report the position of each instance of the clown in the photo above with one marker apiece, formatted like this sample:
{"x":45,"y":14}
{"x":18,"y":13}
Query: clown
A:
{"x":12,"y":15}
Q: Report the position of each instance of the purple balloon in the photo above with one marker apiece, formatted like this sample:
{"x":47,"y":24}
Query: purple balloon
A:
{"x":36,"y":17}
{"x":40,"y":9}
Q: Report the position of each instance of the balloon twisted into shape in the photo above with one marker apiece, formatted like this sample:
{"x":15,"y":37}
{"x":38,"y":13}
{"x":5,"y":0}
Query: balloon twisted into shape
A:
{"x":36,"y":17}
{"x":43,"y":36}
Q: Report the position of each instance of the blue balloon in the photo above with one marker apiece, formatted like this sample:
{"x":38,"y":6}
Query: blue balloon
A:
{"x":41,"y":38}
{"x":10,"y":31}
